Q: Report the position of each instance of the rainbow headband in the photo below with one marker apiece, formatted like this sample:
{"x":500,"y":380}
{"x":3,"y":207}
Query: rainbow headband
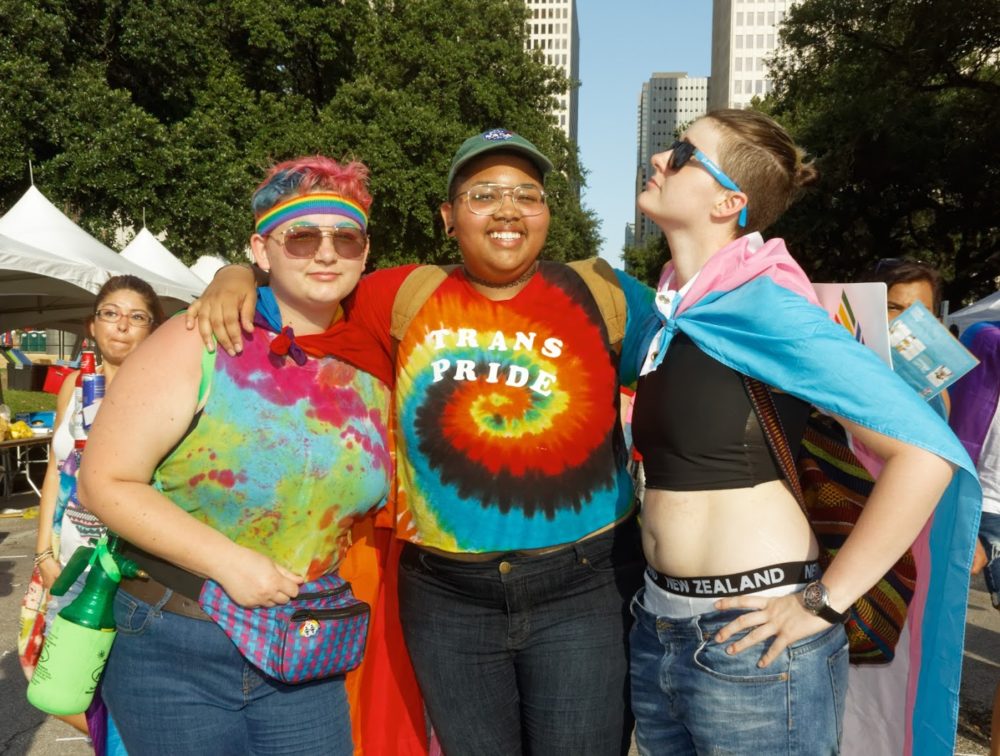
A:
{"x":310,"y":204}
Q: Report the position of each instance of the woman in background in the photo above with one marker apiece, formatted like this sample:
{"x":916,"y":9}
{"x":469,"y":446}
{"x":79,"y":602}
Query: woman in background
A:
{"x":126,"y":313}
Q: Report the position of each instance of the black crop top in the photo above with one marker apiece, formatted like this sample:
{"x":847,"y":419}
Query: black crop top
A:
{"x":696,"y":429}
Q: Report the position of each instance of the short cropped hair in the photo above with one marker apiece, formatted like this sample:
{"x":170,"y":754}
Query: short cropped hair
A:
{"x":760,"y":156}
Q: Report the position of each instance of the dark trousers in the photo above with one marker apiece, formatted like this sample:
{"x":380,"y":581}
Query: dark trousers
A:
{"x":525,"y":654}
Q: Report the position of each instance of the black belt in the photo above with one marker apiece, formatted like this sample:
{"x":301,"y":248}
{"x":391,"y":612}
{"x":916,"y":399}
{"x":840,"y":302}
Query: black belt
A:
{"x":165,"y":575}
{"x":738,"y":583}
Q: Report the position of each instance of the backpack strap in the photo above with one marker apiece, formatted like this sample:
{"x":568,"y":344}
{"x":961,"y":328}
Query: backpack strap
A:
{"x":770,"y":423}
{"x":607,"y":292}
{"x":415,"y":290}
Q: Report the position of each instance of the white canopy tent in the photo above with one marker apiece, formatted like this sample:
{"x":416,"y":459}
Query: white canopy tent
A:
{"x":35,"y":221}
{"x":39,"y":288}
{"x":147,"y":251}
{"x":206,"y":266}
{"x":987,"y":308}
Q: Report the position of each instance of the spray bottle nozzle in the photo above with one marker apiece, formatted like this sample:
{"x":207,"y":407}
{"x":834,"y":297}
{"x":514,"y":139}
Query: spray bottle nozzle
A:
{"x":103,"y":553}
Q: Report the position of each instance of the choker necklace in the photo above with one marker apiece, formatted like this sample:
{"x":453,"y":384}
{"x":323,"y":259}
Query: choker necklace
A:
{"x":509,"y":285}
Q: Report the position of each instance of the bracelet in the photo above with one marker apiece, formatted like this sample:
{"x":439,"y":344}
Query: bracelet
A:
{"x":41,"y":556}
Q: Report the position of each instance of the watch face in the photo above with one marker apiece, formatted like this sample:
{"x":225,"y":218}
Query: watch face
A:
{"x":814,"y":596}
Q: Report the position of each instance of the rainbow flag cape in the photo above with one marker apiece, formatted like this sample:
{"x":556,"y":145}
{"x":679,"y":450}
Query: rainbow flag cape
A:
{"x":752,"y":308}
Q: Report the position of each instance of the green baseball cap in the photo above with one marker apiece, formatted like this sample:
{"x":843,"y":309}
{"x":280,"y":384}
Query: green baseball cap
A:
{"x":497,"y":139}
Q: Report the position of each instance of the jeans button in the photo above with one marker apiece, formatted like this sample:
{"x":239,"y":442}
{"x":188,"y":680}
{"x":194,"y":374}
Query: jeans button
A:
{"x":505,"y":567}
{"x":662,"y":624}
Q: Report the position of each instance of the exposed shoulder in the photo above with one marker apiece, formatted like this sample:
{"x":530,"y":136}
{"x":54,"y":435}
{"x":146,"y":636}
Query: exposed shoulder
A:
{"x":172,"y":347}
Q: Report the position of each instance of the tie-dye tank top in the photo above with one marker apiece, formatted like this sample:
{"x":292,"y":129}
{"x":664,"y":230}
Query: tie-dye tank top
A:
{"x":507,"y":418}
{"x":283,"y":457}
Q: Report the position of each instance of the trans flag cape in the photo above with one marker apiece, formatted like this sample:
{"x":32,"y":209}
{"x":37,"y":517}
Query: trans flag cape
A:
{"x":752,"y":308}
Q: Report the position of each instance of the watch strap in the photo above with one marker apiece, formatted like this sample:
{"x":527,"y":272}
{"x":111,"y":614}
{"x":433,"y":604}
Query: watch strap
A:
{"x":832,"y":616}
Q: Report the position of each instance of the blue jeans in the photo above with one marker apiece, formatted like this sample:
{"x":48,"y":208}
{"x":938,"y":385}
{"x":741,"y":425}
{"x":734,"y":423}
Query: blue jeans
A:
{"x":525,"y":654}
{"x":178,"y":685}
{"x":689,"y":696}
{"x":989,"y":534}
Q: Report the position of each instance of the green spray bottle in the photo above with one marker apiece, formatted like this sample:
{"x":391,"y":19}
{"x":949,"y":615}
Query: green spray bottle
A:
{"x":76,"y":647}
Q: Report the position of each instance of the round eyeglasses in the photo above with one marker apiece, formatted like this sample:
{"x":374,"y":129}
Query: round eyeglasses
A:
{"x":303,"y":242}
{"x":487,"y":199}
{"x":135,"y":318}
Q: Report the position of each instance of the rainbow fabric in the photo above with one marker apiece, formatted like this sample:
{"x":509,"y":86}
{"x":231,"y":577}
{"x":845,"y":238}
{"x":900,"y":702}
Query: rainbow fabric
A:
{"x":751,"y":308}
{"x":507,"y":416}
{"x":284,"y":458}
{"x":325,"y":203}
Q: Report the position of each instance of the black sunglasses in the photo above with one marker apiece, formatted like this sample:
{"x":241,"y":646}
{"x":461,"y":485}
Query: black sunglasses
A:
{"x":680,"y":153}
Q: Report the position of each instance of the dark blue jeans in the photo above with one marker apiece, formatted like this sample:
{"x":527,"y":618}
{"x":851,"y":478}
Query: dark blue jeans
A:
{"x":525,"y":654}
{"x":177,"y":685}
{"x":691,"y":697}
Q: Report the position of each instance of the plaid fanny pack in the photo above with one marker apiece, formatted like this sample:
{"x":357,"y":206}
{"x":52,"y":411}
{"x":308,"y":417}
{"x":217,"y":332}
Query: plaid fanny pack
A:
{"x":319,"y":633}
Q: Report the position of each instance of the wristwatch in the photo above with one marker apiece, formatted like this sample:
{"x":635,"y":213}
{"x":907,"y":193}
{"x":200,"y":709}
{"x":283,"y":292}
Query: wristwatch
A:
{"x":816,"y":599}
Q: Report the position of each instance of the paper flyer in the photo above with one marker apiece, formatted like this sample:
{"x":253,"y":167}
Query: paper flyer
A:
{"x":925,"y":354}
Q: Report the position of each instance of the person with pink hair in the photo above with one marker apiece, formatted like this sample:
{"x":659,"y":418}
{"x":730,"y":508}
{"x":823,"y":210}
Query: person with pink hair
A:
{"x":243,"y":476}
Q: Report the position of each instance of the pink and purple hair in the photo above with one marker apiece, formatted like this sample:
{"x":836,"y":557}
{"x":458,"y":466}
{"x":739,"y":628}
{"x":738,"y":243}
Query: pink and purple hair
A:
{"x":334,"y":187}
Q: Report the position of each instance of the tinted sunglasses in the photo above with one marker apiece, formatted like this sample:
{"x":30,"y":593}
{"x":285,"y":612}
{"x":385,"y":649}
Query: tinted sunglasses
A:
{"x":303,"y":242}
{"x":681,"y":151}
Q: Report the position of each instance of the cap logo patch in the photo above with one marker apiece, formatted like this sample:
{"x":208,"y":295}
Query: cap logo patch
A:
{"x":497,"y":135}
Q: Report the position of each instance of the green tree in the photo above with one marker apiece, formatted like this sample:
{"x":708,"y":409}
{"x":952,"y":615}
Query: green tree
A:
{"x":647,"y":260}
{"x":173,"y":109}
{"x":897,"y":100}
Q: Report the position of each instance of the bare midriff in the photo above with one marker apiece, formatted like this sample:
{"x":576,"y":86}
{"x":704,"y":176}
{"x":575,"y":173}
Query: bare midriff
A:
{"x":701,"y":533}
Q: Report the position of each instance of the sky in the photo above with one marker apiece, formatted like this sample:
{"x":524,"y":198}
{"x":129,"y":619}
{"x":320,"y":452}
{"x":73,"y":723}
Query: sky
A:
{"x":621,"y":45}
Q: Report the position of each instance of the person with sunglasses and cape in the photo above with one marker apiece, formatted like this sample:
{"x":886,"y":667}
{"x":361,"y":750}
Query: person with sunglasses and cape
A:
{"x":516,"y":514}
{"x":739,"y":644}
{"x":239,"y":480}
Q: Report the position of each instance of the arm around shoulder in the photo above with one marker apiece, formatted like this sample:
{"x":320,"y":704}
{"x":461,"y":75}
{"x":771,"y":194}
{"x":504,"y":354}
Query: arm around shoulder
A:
{"x":225,"y":309}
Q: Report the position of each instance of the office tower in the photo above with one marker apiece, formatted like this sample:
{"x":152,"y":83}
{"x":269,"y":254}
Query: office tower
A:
{"x":552,"y":28}
{"x":667,"y":104}
{"x":744,"y":36}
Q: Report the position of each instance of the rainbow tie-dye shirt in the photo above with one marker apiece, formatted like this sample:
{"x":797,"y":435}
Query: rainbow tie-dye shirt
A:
{"x":283,"y":458}
{"x":508,"y":430}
